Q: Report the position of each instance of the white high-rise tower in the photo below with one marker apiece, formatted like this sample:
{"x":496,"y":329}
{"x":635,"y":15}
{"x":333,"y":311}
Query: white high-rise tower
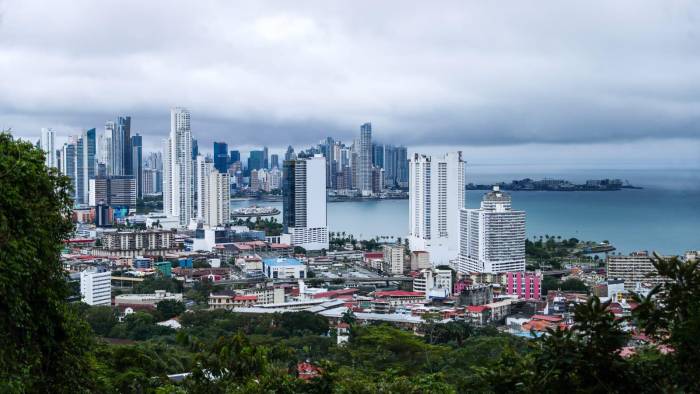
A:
{"x":436,"y":195}
{"x":177,"y":167}
{"x":304,"y":206}
{"x":492,"y":238}
{"x":48,"y":145}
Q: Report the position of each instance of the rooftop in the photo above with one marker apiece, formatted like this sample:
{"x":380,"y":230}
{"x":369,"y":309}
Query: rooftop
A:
{"x":281,"y":262}
{"x":398,"y":293}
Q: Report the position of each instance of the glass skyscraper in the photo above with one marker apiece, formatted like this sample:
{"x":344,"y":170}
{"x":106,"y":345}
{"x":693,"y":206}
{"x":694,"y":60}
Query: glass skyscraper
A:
{"x":221,"y":156}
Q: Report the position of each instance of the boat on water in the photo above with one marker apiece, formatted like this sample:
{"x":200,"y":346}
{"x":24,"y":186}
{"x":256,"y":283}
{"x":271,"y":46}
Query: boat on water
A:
{"x":255,"y":211}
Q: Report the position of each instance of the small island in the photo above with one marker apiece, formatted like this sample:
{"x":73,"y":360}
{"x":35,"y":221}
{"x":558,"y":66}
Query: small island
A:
{"x":528,"y":184}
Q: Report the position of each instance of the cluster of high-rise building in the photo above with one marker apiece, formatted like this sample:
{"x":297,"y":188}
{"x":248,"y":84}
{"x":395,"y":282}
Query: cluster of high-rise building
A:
{"x":102,"y":166}
{"x":364,"y":166}
{"x":490,"y":239}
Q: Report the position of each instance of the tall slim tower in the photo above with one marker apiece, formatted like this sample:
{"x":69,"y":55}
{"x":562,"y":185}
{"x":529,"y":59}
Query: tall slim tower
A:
{"x":121,"y":146}
{"x":492,"y":238}
{"x":106,"y":146}
{"x":137,"y":163}
{"x":48,"y":145}
{"x":365,"y":160}
{"x":304,"y":206}
{"x":436,"y":195}
{"x":177,"y":167}
{"x":89,"y":164}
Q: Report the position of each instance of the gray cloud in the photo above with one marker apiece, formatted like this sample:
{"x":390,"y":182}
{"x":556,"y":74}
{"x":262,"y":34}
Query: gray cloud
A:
{"x":425,"y":73}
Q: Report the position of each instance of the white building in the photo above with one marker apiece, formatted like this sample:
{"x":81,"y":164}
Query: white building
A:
{"x":492,"y":238}
{"x":217,"y":197}
{"x":304,"y":213}
{"x":47,"y":143}
{"x":177,"y":167}
{"x":213,"y":193}
{"x":436,"y":194}
{"x":393,"y":259}
{"x":96,"y":286}
{"x":636,"y":268}
{"x":147,"y":299}
{"x":434,"y":283}
{"x":284,"y":268}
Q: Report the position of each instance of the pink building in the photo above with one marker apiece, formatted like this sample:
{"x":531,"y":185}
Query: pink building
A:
{"x":525,"y":285}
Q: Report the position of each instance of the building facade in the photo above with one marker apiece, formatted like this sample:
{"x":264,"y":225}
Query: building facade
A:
{"x":47,"y":144}
{"x":177,"y":167}
{"x":304,"y":213}
{"x":436,"y":195}
{"x":635,"y":268}
{"x":364,"y":167}
{"x":96,"y":286}
{"x":492,"y":238}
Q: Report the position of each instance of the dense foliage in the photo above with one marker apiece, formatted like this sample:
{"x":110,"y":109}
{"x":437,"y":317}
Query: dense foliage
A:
{"x":43,"y":342}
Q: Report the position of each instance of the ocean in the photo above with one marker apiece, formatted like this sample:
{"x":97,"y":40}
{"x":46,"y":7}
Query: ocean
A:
{"x":664,"y":216}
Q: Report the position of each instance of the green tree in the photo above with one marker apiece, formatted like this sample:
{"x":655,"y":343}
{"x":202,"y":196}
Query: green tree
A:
{"x":102,"y":319}
{"x":574,"y":284}
{"x":170,"y":308}
{"x":671,"y":314}
{"x":44,"y":344}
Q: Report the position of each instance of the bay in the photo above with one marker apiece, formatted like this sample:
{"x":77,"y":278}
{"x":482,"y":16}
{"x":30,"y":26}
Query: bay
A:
{"x":662,"y":217}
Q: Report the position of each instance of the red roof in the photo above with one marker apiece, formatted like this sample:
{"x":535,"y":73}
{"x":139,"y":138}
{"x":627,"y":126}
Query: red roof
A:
{"x":477,"y":308}
{"x":398,"y":293}
{"x":553,"y":319}
{"x":374,"y":255}
{"x":334,"y":293}
{"x":245,"y":298}
{"x":279,"y":246}
{"x":307,"y":370}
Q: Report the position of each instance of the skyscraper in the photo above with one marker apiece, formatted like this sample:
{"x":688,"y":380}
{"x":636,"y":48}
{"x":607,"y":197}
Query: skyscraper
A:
{"x":256,"y":160}
{"x":274,"y":161}
{"x":121,"y":146}
{"x":221,"y":156}
{"x":202,"y":168}
{"x":48,"y":145}
{"x":105,"y":146}
{"x":304,"y":213}
{"x":289,"y":154}
{"x":378,"y":155}
{"x":213,"y":200}
{"x":492,"y":238}
{"x":80,"y":171}
{"x":68,"y":163}
{"x":177,"y":167}
{"x":137,"y":163}
{"x":235,"y":156}
{"x":365,"y":160}
{"x":402,"y":167}
{"x":436,"y":195}
{"x":266,"y":160}
{"x":89,"y":161}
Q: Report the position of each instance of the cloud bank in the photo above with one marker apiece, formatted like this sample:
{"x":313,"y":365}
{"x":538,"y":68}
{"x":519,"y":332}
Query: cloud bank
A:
{"x":425,"y":73}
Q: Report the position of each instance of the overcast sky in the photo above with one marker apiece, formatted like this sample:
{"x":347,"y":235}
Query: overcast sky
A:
{"x":547,"y":81}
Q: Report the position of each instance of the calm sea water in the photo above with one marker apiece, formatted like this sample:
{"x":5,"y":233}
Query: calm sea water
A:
{"x":664,"y":216}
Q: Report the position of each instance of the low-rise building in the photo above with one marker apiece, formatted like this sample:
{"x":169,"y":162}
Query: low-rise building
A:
{"x":420,"y":260}
{"x":633,"y":269}
{"x":393,"y":259}
{"x":147,"y":299}
{"x":136,"y":243}
{"x":527,"y":285}
{"x":434,"y":283}
{"x":96,"y":286}
{"x":284,"y":268}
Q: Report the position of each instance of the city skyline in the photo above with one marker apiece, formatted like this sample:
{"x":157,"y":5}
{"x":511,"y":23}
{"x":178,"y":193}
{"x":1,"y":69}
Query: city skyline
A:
{"x":575,"y":88}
